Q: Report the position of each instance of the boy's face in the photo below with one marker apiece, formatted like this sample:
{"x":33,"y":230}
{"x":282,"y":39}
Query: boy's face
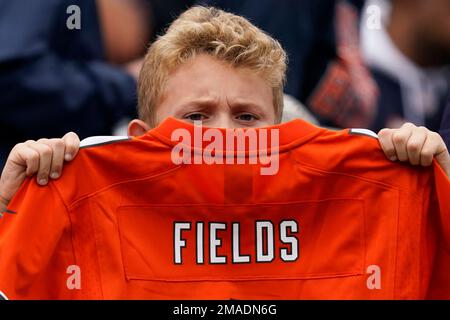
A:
{"x":218,"y":94}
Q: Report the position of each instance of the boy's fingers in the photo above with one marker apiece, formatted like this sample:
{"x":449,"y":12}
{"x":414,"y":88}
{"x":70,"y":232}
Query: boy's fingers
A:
{"x":400,"y":138}
{"x":443,"y":159}
{"x":58,"y":148}
{"x":27,"y":157}
{"x":45,"y":161}
{"x":31,"y":158}
{"x":24,"y":162}
{"x":415,"y":144}
{"x":429,"y":150}
{"x":72,"y":144}
{"x":434,"y":147}
{"x":23,"y":156}
{"x":385,"y":138}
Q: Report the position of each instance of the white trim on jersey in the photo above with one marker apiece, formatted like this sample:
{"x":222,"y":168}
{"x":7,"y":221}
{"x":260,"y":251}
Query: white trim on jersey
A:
{"x":3,"y":296}
{"x":365,"y":132}
{"x":90,"y":141}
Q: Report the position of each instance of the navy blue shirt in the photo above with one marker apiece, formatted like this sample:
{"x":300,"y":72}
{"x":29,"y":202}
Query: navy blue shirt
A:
{"x":54,"y":80}
{"x":305,"y":29}
{"x":166,"y":11}
{"x":445,"y":126}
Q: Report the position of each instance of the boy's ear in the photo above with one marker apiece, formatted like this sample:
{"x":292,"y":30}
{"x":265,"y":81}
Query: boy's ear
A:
{"x":137,"y":127}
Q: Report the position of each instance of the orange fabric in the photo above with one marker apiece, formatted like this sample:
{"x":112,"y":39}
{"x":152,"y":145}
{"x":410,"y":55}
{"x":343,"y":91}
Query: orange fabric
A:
{"x":336,"y":201}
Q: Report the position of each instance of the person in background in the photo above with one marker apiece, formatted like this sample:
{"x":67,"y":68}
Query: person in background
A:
{"x":54,"y":79}
{"x":445,"y":125}
{"x":247,"y":94}
{"x":326,"y":71}
{"x":408,"y":52}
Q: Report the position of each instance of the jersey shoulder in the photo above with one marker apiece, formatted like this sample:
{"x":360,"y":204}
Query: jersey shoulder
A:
{"x":108,"y":161}
{"x":358,"y":153}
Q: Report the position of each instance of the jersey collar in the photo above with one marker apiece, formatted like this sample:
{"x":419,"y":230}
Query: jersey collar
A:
{"x":291,"y":134}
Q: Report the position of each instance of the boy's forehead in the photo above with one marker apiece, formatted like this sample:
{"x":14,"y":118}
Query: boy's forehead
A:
{"x":205,"y":76}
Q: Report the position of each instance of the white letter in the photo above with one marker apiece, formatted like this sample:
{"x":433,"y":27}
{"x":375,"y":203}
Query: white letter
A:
{"x":184,"y":146}
{"x":229,"y":140}
{"x":273,"y":159}
{"x":260,"y":255}
{"x":200,"y":242}
{"x":198,"y":142}
{"x":373,"y":21}
{"x":74,"y":280}
{"x":214,"y":242}
{"x":237,"y":258}
{"x":374,"y":280}
{"x":241,"y":146}
{"x":214,"y":147}
{"x":74,"y":20}
{"x":285,"y":256}
{"x":178,"y":241}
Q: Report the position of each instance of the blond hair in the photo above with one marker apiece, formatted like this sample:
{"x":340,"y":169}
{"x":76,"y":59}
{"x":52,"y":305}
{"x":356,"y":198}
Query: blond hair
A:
{"x":225,"y":36}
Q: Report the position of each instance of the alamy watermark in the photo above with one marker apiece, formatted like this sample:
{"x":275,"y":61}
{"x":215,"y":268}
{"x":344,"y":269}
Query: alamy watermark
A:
{"x":73,"y":21}
{"x":227,"y":146}
{"x":374,"y":279}
{"x":373,"y":18}
{"x":74,"y":279}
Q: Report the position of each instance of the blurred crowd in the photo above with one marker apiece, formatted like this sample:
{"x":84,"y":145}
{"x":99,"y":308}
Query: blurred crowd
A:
{"x":352,"y":63}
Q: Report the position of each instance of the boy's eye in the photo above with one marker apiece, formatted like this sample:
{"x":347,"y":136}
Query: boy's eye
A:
{"x":246,"y":117}
{"x":195,"y":117}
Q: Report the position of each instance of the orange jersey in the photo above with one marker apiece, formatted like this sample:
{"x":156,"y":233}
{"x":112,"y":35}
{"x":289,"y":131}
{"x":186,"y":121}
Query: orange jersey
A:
{"x":125,"y":221}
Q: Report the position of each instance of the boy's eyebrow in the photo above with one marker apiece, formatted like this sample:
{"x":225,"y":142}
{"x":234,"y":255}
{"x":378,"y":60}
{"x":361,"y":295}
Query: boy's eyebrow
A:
{"x":242,"y":104}
{"x":211,"y":101}
{"x":204,"y":102}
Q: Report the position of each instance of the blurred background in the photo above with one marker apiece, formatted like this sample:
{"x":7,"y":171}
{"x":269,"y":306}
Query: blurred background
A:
{"x":352,"y":63}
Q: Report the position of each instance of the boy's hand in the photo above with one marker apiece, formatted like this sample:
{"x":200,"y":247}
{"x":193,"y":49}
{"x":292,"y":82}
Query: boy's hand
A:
{"x":44,"y":157}
{"x":418,"y":145}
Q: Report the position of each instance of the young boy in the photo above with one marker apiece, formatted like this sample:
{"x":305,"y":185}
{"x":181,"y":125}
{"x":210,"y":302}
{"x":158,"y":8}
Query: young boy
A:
{"x":214,"y":67}
{"x":257,"y":79}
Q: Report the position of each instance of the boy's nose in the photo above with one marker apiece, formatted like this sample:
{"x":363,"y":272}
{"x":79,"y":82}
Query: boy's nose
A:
{"x":222,"y":120}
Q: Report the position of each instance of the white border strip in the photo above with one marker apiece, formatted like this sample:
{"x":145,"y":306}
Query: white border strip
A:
{"x":3,"y":296}
{"x":101,"y":139}
{"x":365,"y":132}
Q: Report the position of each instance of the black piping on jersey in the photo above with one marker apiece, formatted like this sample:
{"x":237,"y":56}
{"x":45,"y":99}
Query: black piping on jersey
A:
{"x":105,"y":143}
{"x":7,"y":211}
